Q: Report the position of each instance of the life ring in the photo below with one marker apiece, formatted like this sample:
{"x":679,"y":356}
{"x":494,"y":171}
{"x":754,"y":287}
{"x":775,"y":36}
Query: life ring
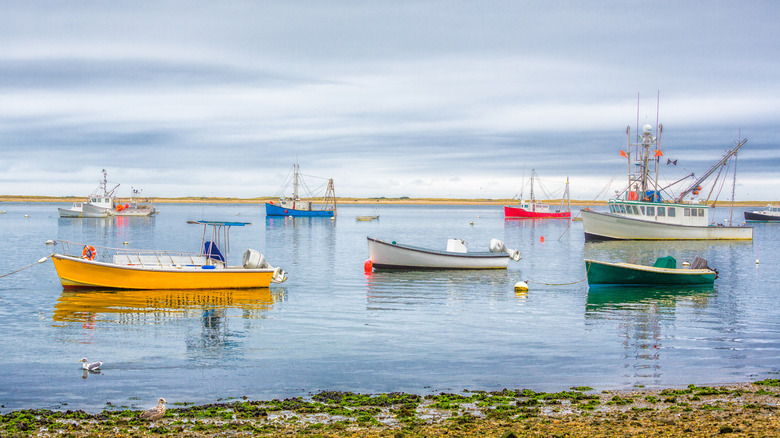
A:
{"x":89,"y":252}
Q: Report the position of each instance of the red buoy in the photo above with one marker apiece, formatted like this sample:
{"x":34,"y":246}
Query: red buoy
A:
{"x":541,"y":239}
{"x":368,"y":265}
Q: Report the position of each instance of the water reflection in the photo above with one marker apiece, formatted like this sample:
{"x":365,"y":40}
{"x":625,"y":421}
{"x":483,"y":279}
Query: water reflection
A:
{"x":641,"y":315}
{"x":398,"y":288}
{"x":159,"y":306}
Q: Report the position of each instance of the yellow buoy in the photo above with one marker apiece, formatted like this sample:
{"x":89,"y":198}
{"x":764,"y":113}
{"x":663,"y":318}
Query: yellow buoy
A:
{"x":521,"y":286}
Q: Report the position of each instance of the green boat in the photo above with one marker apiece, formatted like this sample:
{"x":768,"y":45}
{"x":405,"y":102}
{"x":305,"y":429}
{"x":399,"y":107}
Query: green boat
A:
{"x":663,"y":272}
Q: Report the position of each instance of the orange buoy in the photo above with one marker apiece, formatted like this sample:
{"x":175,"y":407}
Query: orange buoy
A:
{"x":368,"y":265}
{"x":541,"y":239}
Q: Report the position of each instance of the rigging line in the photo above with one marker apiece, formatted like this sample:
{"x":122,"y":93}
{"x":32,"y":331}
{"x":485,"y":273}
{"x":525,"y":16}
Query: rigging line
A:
{"x":723,"y":182}
{"x":22,"y":269}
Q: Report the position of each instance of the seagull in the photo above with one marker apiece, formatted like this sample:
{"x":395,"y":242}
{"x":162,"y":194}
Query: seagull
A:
{"x":155,"y":413}
{"x":94,"y":366}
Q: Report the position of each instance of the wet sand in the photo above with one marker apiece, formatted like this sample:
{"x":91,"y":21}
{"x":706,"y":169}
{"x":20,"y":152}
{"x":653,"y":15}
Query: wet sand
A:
{"x":737,"y":410}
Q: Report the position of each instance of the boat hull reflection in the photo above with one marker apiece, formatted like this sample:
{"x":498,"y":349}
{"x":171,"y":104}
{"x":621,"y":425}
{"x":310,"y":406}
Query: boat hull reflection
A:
{"x":83,"y":305}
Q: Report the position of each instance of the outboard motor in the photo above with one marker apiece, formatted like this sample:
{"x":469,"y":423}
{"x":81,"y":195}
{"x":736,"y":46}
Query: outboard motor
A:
{"x":498,"y":246}
{"x":253,"y":259}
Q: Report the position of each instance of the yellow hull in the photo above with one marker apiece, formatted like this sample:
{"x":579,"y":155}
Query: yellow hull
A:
{"x":76,"y":272}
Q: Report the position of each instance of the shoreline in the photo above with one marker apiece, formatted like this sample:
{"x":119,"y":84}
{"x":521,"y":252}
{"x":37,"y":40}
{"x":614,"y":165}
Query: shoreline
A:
{"x":741,"y":409}
{"x":345,"y":201}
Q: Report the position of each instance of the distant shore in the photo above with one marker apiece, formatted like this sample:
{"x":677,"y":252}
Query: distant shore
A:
{"x":345,"y":200}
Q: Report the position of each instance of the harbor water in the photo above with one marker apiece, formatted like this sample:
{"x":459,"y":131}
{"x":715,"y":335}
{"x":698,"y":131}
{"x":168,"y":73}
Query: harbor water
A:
{"x":332,"y":326}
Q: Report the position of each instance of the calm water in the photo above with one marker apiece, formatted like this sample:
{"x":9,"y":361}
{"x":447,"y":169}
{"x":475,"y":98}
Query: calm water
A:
{"x":333,"y":327}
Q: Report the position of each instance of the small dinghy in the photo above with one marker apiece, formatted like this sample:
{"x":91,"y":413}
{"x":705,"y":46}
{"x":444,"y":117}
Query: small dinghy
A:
{"x":663,"y":272}
{"x":391,"y":255}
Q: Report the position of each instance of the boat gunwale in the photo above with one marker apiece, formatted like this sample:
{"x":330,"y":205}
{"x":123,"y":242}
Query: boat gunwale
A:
{"x":189,"y":269}
{"x":654,"y":269}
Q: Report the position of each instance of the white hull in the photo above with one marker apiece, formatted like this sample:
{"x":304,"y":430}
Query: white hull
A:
{"x":80,"y":211}
{"x":132,"y":212}
{"x":384,"y":255}
{"x":607,"y":226}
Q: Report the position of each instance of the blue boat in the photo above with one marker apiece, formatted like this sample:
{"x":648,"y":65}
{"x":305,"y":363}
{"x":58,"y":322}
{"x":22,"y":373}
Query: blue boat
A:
{"x":296,"y":207}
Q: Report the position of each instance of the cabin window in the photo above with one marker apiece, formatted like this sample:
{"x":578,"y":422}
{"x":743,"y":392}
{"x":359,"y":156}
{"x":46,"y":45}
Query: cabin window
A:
{"x":650,"y":211}
{"x":636,"y":210}
{"x":661,"y":211}
{"x":642,"y":207}
{"x":686,"y":212}
{"x":701,"y":212}
{"x":672,"y":211}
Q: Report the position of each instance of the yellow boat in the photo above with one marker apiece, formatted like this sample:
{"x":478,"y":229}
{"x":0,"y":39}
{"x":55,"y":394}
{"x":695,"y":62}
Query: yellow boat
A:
{"x":81,"y":265}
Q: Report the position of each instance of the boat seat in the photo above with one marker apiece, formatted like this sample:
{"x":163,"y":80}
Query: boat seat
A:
{"x":667,"y":262}
{"x":211,"y":250}
{"x":159,"y":260}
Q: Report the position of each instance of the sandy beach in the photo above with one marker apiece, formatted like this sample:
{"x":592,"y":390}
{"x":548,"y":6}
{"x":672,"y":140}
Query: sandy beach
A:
{"x":736,"y":410}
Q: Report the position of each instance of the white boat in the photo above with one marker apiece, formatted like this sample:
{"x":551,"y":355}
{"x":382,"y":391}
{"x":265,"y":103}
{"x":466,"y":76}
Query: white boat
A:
{"x":77,"y":210}
{"x":391,"y":255}
{"x":102,"y":203}
{"x":132,"y":208}
{"x":641,"y":213}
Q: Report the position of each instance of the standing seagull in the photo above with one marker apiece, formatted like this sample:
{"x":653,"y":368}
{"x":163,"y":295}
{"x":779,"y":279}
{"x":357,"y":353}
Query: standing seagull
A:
{"x":94,"y":366}
{"x":155,"y":413}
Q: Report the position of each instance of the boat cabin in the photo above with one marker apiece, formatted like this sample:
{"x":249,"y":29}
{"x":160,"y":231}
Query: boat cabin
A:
{"x":681,"y":214}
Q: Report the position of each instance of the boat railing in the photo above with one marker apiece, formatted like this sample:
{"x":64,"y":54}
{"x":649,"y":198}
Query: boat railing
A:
{"x":134,"y":257}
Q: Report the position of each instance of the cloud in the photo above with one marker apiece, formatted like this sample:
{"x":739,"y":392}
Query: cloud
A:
{"x":423,"y":98}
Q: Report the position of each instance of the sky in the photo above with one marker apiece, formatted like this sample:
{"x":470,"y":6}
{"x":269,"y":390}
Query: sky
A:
{"x":443,"y":99}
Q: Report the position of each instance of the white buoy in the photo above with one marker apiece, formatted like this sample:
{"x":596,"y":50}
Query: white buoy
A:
{"x":50,"y":242}
{"x":521,"y":286}
{"x":686,"y":264}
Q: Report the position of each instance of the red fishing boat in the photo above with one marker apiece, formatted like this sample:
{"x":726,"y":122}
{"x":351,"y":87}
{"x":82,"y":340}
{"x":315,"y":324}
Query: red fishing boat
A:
{"x":538,"y":210}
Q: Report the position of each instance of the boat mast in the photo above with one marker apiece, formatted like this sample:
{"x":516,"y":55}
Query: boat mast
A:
{"x":295,"y":182}
{"x":533,"y":205}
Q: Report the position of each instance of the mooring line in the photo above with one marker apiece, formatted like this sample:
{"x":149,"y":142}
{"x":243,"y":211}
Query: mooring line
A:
{"x":556,"y":284}
{"x":22,"y":269}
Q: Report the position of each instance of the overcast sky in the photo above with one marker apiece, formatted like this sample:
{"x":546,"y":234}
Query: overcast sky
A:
{"x":395,"y":98}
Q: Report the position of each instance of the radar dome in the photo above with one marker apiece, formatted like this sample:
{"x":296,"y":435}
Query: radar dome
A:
{"x":648,"y":128}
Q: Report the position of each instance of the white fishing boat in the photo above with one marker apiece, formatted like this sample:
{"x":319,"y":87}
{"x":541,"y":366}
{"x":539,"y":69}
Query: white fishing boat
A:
{"x":391,"y":255}
{"x":133,"y":208}
{"x":641,"y":212}
{"x":102,"y":202}
{"x":77,"y":210}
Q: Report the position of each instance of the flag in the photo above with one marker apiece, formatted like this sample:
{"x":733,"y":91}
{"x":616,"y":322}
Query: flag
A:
{"x":669,"y":161}
{"x":623,"y":153}
{"x":658,"y":153}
